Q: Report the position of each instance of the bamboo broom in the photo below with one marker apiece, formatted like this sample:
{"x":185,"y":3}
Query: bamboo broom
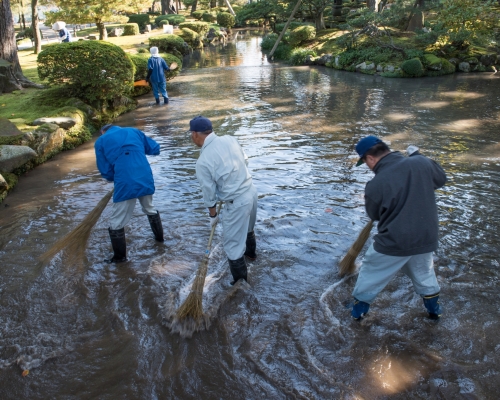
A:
{"x":75,"y":242}
{"x":347,"y":265}
{"x":193,"y":305}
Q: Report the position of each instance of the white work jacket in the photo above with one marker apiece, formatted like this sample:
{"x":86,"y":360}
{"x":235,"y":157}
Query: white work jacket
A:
{"x":221,"y":170}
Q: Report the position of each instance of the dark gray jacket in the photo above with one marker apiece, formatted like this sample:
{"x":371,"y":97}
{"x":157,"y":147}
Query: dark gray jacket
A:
{"x":401,"y":197}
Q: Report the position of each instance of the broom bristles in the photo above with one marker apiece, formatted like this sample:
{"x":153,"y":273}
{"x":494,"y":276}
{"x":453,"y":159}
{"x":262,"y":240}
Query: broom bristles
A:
{"x":193,"y":306}
{"x":75,"y":242}
{"x":347,"y":264}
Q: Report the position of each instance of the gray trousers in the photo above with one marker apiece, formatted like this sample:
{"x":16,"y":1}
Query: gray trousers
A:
{"x":123,"y":211}
{"x":238,"y":219}
{"x":378,"y":269}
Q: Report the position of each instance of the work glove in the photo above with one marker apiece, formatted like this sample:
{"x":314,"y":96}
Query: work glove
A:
{"x":214,"y":220}
{"x":412,"y":150}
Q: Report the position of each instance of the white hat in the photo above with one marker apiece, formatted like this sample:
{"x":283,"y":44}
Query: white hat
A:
{"x":154,"y":51}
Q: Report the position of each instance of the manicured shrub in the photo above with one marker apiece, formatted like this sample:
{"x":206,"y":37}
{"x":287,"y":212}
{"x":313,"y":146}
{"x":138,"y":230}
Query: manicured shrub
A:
{"x":130,"y":29}
{"x":170,"y":43}
{"x":198,"y":14}
{"x":191,"y":38}
{"x":226,"y":20}
{"x":200,"y":27}
{"x":279,"y":27}
{"x":299,"y":56}
{"x":140,"y":19}
{"x":173,"y":19}
{"x":268,"y":41}
{"x":283,"y":51}
{"x":301,"y":34}
{"x":95,"y":71}
{"x":161,"y":20}
{"x":142,"y":50}
{"x":413,"y":67}
{"x":208,"y":17}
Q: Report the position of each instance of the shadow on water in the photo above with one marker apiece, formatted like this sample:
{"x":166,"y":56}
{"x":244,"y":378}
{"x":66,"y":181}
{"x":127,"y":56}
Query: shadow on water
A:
{"x":288,"y":334}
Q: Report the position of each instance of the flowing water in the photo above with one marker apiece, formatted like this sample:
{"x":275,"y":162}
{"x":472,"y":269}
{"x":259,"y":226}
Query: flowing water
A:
{"x":105,"y":333}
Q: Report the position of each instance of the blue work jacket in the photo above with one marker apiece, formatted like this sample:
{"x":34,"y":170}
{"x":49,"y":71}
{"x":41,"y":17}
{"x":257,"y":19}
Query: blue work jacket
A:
{"x":121,"y":158}
{"x":158,"y":65}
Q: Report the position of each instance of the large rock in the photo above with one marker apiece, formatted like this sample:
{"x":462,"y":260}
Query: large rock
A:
{"x":464,"y":67}
{"x":9,"y":132}
{"x":488,"y":59}
{"x":12,"y":157}
{"x":325,"y":58}
{"x":416,"y":22}
{"x":63,"y":122}
{"x":47,"y":140}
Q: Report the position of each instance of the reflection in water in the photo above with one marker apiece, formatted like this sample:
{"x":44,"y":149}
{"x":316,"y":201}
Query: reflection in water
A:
{"x":289,"y":335}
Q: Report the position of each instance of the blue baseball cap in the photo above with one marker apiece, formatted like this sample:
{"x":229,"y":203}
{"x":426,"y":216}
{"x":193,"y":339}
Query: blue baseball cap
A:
{"x":200,"y":124}
{"x":364,"y":145}
{"x":103,"y":130}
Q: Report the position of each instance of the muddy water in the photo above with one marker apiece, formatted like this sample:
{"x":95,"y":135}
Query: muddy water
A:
{"x":105,"y":334}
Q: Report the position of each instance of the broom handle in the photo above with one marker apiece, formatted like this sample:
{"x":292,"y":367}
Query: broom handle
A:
{"x":207,"y":251}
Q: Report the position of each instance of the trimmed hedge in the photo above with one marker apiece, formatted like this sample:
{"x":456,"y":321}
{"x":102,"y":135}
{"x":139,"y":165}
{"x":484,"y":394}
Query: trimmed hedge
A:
{"x":199,"y":27}
{"x":140,"y":19}
{"x":170,"y":43}
{"x":198,"y":14}
{"x":191,"y":37}
{"x":226,"y":20}
{"x":171,"y":19}
{"x":413,"y":67}
{"x":209,"y":17}
{"x":95,"y":71}
{"x":130,"y":29}
{"x":301,"y":34}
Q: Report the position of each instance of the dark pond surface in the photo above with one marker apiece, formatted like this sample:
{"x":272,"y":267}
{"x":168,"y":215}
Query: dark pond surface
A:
{"x":104,"y":333}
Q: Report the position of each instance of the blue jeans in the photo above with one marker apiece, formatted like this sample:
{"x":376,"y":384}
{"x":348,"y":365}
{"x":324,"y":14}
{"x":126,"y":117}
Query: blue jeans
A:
{"x":159,"y":87}
{"x":378,"y":269}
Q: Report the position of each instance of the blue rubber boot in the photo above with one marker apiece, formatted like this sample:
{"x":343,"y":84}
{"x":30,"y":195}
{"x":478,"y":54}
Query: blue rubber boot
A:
{"x":359,"y":309}
{"x":431,"y":302}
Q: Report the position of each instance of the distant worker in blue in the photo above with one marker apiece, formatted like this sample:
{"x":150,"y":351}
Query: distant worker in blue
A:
{"x":64,"y":35}
{"x":157,"y":67}
{"x":121,"y":158}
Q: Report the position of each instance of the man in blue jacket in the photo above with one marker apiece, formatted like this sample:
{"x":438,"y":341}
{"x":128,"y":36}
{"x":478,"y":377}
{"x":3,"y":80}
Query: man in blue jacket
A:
{"x":121,"y":158}
{"x":401,"y":198}
{"x":64,"y":35}
{"x":157,"y":67}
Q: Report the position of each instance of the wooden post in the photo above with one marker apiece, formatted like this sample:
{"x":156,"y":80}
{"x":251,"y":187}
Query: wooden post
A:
{"x":230,"y":8}
{"x":270,"y":55}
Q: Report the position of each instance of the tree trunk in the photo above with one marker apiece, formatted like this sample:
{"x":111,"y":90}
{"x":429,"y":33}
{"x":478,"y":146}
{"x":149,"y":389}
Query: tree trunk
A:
{"x":319,"y":21}
{"x":103,"y":33}
{"x":35,"y":23}
{"x":193,"y":6}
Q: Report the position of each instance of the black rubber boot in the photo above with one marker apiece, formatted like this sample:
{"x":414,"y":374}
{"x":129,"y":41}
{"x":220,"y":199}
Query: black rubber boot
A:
{"x":156,"y":227}
{"x":119,"y":245}
{"x":238,"y":269}
{"x":251,"y":246}
{"x":165,"y":100}
{"x":157,"y":100}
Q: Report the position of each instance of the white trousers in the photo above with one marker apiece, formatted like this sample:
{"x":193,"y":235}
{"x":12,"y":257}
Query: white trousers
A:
{"x":238,"y":219}
{"x":123,"y":211}
{"x":378,"y":269}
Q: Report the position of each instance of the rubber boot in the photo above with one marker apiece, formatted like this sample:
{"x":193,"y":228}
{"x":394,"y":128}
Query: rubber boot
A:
{"x":359,"y":309}
{"x":119,"y":245}
{"x":251,"y":246}
{"x":431,"y":302}
{"x":165,"y":100}
{"x":238,"y":269}
{"x":156,"y":227}
{"x":157,"y":100}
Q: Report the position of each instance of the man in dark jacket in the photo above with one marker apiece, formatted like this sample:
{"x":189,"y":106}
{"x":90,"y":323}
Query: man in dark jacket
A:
{"x":401,"y":198}
{"x":121,"y":158}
